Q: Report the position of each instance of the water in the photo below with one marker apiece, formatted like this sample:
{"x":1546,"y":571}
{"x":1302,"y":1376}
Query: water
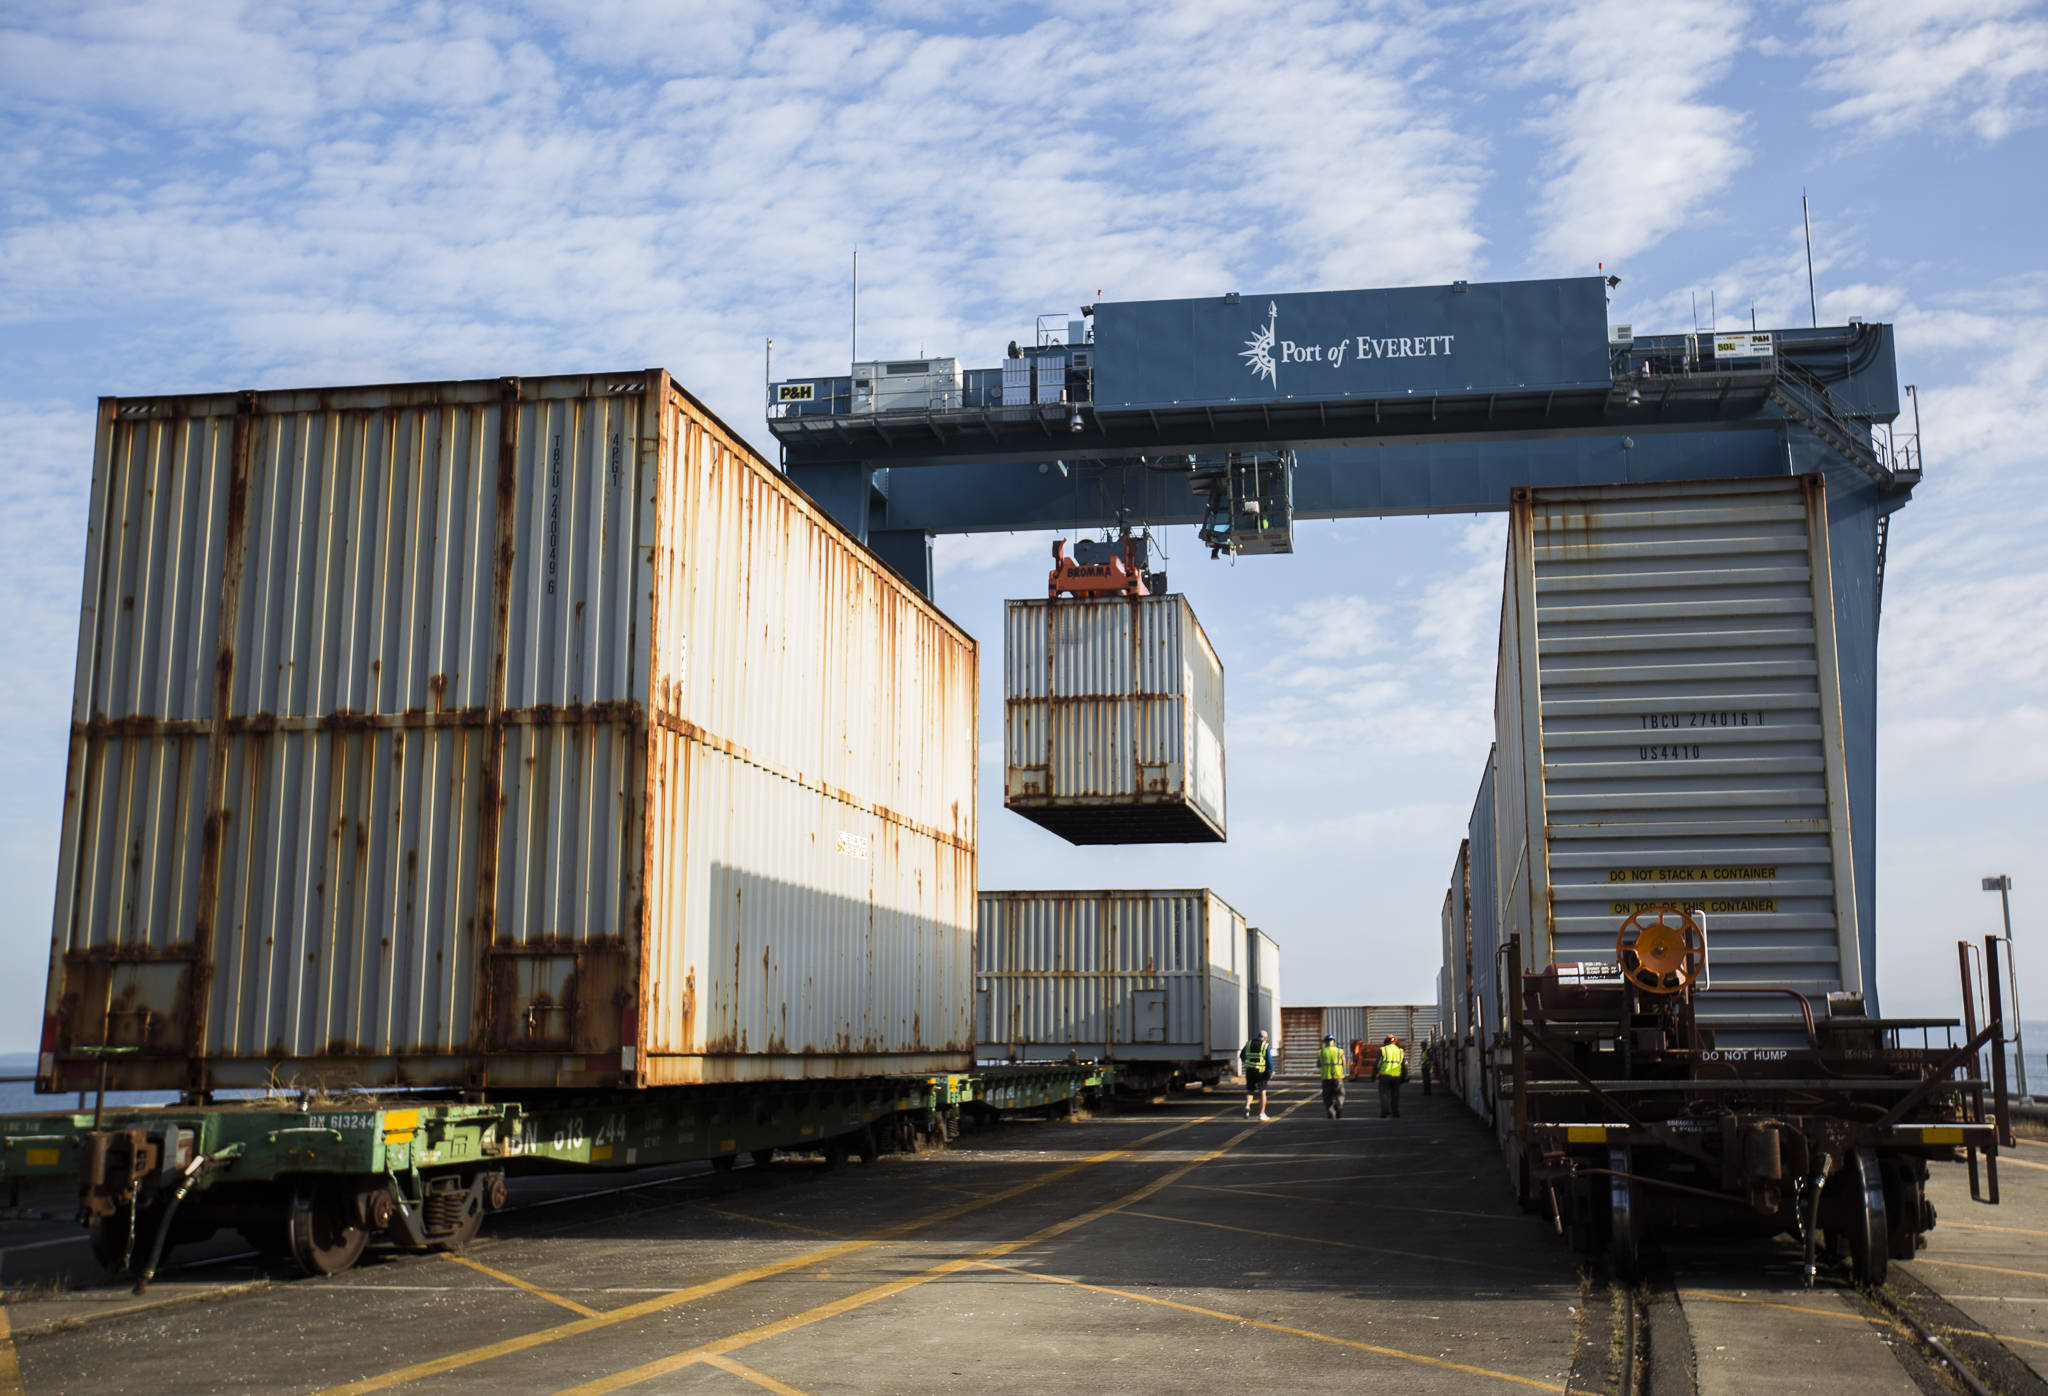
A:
{"x":2036,"y":1038}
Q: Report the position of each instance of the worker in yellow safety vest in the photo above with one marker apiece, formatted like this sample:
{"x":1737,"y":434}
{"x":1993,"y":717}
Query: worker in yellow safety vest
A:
{"x":1392,"y":1068}
{"x":1422,"y":1056}
{"x":1332,"y":1062}
{"x":1257,"y":1058}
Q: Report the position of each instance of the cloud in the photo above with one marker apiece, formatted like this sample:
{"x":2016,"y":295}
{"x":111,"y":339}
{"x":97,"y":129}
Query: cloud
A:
{"x":1334,"y":627}
{"x":954,"y":554}
{"x":1973,"y":65}
{"x":1634,"y":150}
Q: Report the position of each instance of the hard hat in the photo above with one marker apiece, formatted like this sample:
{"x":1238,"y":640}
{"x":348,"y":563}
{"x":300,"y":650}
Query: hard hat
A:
{"x":1328,"y":1038}
{"x":1390,"y":1037}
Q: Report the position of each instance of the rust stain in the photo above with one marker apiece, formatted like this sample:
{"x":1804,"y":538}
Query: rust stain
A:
{"x":491,"y":792}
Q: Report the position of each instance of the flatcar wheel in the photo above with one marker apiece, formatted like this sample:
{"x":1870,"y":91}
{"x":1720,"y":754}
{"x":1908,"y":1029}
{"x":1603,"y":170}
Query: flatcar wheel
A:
{"x":325,"y":1238}
{"x":723,"y":1163}
{"x":762,"y":1157}
{"x":1624,"y":1248}
{"x":866,"y":1149}
{"x":1904,"y":1199}
{"x":1869,"y":1237}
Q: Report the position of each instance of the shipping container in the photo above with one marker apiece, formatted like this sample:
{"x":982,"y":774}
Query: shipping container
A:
{"x":1670,"y":731}
{"x":1363,"y":1023}
{"x":1262,"y":994}
{"x":1125,"y":976}
{"x":520,"y":732}
{"x":1480,"y":964}
{"x":1113,"y":720}
{"x":1453,"y":1006}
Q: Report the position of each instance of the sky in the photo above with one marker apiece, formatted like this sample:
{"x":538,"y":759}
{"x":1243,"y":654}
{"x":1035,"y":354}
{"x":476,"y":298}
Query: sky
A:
{"x":209,"y":196}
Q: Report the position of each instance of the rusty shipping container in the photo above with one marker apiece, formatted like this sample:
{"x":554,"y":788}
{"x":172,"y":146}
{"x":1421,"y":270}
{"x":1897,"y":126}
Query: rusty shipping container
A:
{"x":1369,"y":1024}
{"x":1130,"y":976}
{"x":1669,"y":721}
{"x":500,"y":733}
{"x":1113,"y":720}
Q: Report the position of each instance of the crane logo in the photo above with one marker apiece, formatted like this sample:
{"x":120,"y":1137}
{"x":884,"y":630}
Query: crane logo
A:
{"x":1265,"y":351}
{"x":1258,"y":351}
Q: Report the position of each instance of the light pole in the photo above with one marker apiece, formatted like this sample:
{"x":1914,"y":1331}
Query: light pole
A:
{"x":2003,"y":886}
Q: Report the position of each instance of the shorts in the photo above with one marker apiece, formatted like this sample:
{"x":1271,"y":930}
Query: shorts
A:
{"x":1256,"y":1080}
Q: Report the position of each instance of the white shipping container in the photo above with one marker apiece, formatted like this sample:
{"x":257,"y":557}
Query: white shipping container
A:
{"x":1262,"y":996}
{"x":1669,"y":726}
{"x":515,"y":732}
{"x":1113,"y":720}
{"x":1131,"y":976}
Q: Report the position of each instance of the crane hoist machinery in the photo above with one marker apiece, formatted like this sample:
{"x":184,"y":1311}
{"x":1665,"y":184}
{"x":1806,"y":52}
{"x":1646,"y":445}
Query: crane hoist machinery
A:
{"x":1248,"y":502}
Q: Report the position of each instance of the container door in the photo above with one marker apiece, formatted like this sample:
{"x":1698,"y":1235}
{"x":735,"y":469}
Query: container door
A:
{"x":576,"y":1002}
{"x":1690,"y":744}
{"x":1148,"y":1010}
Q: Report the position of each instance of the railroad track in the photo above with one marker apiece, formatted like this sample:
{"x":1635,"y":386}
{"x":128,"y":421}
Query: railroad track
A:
{"x":1713,"y":1322}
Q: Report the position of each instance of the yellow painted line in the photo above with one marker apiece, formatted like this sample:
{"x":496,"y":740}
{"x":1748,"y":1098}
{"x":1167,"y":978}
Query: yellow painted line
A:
{"x":1438,"y":1362}
{"x":469,"y":1357}
{"x":2008,"y":1161}
{"x":1987,"y":1269}
{"x":758,"y":1378}
{"x":1996,"y":1337}
{"x":666,"y":1366}
{"x":10,"y":1365}
{"x":1773,"y":1304}
{"x":1980,"y":1226}
{"x":1353,"y":1246}
{"x":499,"y":1275}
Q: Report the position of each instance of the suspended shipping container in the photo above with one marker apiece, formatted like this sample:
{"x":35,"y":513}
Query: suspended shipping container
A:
{"x":499,"y":733}
{"x":1113,"y":720}
{"x":1670,"y":731}
{"x":1134,"y":977}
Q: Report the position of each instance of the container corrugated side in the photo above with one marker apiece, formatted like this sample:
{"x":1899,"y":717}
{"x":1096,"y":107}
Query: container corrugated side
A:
{"x":373,"y":758}
{"x":1269,"y":976}
{"x":1678,"y":675}
{"x":360,"y":770}
{"x":1443,"y":974}
{"x":1367,"y":1023}
{"x":1121,"y":975}
{"x":1113,"y":720}
{"x":1483,"y":1016}
{"x":1262,"y":981}
{"x":813,"y":786}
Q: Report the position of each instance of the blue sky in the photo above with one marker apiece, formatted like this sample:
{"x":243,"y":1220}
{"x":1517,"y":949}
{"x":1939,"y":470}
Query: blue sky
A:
{"x":212,"y":196}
